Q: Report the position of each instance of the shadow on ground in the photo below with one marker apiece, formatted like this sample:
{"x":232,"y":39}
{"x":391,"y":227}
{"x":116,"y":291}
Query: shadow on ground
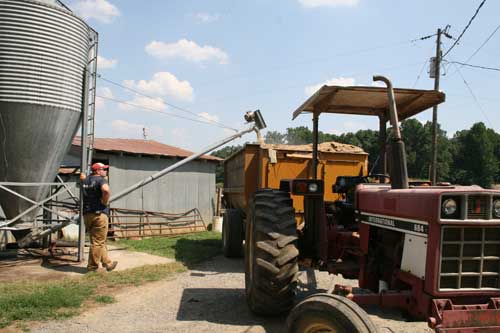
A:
{"x":191,"y":252}
{"x":65,"y":267}
{"x":226,"y":306}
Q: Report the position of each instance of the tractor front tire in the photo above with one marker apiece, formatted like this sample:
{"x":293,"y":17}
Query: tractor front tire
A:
{"x":329,"y":313}
{"x":232,"y":234}
{"x":271,"y":254}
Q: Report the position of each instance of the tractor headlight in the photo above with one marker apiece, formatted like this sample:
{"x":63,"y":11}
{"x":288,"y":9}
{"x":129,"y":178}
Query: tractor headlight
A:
{"x":496,"y":208}
{"x":449,"y":207}
{"x":313,"y":187}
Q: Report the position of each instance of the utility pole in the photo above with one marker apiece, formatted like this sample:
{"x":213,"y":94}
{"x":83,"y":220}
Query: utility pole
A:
{"x":437,"y":74}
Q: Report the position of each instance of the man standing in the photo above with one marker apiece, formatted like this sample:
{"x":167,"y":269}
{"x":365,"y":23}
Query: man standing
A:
{"x":96,"y":193}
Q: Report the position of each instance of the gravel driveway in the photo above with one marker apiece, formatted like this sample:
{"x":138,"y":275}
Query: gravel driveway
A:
{"x":209,"y":298}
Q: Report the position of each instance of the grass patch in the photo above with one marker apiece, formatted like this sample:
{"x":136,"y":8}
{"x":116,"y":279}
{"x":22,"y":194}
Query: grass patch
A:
{"x":30,"y":300}
{"x":134,"y":276}
{"x":104,"y":299}
{"x":27,"y":301}
{"x":41,"y":301}
{"x":188,"y":249}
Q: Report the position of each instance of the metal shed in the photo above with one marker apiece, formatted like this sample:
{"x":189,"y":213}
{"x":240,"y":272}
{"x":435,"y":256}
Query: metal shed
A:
{"x":131,"y":160}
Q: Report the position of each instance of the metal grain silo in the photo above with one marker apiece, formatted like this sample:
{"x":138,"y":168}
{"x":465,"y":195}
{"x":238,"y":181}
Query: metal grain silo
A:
{"x":44,"y":52}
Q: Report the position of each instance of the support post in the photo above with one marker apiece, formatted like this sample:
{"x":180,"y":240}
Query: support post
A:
{"x":315,"y":146}
{"x":83,"y":165}
{"x":382,"y":139}
{"x":435,"y":110}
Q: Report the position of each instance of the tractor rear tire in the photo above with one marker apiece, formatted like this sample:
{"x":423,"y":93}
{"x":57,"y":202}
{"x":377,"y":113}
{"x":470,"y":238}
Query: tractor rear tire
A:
{"x":329,"y":313}
{"x":271,"y":266}
{"x":232,"y":234}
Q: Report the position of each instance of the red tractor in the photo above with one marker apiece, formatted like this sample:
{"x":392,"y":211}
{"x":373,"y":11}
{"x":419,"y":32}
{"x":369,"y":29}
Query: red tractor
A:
{"x":431,"y":251}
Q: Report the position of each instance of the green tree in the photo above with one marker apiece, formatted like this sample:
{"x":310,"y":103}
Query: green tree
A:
{"x":495,"y":138}
{"x":368,"y":141}
{"x":417,"y":148}
{"x":223,"y":153}
{"x":444,"y":153}
{"x":418,"y":145}
{"x":275,"y":137}
{"x":298,"y":135}
{"x":475,"y":160}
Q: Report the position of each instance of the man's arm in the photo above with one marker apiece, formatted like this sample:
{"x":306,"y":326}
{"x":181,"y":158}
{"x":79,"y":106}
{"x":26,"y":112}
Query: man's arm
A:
{"x":106,"y":193}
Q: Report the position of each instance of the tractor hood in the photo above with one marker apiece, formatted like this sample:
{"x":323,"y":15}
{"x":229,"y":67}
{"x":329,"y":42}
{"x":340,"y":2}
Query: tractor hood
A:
{"x":473,"y":203}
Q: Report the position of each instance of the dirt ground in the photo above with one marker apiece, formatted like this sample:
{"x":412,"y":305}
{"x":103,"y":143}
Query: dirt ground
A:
{"x":38,"y":265}
{"x":208,"y":298}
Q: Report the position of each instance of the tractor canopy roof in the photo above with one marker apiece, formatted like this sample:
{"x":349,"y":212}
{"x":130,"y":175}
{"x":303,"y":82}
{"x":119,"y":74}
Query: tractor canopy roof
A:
{"x":370,"y":101}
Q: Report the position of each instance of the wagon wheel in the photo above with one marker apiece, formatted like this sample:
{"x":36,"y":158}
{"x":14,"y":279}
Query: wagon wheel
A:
{"x":270,"y":253}
{"x":329,"y":313}
{"x":232,"y":234}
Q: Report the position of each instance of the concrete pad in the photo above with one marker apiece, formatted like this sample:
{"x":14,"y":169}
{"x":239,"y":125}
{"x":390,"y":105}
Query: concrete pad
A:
{"x":40,"y":265}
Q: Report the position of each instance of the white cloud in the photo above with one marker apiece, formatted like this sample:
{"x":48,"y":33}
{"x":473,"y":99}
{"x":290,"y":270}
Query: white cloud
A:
{"x":124,"y":129}
{"x":349,"y":126}
{"x":378,"y":84}
{"x":209,"y":117}
{"x":179,"y":135}
{"x":340,"y":81}
{"x":187,"y":50}
{"x":105,"y":92}
{"x":149,"y":104}
{"x":104,"y":63}
{"x":100,"y":10}
{"x":228,"y":131}
{"x":163,"y":84}
{"x":206,"y":17}
{"x":100,"y":103}
{"x":155,"y":133}
{"x":328,"y":3}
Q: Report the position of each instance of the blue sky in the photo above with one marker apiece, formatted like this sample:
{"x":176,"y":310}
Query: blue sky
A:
{"x":218,"y":59}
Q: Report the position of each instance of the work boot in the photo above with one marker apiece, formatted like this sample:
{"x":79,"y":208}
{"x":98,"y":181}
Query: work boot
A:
{"x":111,"y":266}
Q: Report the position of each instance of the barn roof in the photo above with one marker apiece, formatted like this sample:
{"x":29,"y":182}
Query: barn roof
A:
{"x":143,"y":147}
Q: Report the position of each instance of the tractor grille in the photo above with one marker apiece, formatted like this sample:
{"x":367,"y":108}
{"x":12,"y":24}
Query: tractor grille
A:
{"x":470,"y":258}
{"x":477,"y":207}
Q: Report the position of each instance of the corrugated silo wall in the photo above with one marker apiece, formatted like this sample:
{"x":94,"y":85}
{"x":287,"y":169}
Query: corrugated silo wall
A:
{"x":191,"y":186}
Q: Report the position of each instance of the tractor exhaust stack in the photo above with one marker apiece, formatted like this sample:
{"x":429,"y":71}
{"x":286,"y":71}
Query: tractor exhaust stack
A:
{"x":397,"y":154}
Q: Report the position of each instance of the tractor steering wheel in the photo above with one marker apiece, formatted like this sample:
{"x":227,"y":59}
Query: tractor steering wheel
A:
{"x":380,"y":177}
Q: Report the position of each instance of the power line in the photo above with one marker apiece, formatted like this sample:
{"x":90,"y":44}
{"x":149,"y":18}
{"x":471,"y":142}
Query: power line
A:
{"x":159,"y":111}
{"x":420,"y":73}
{"x":473,"y":96}
{"x":282,"y":88}
{"x":465,"y":29}
{"x":214,"y":122}
{"x":307,"y":62}
{"x":423,"y":66}
{"x":474,"y":66}
{"x":484,"y":43}
{"x":423,"y":38}
{"x":479,"y":48}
